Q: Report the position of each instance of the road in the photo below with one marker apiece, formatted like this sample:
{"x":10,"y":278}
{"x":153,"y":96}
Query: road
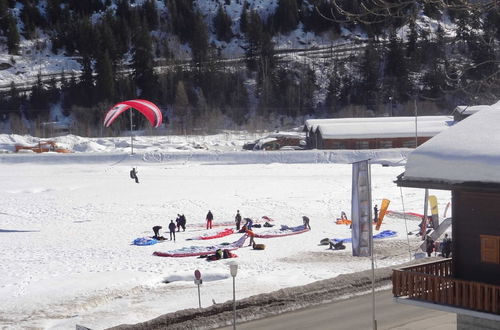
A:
{"x":356,"y":314}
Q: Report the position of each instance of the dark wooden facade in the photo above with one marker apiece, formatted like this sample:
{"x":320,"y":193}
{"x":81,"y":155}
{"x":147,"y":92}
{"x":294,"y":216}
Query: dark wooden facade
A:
{"x":475,"y":214}
{"x":366,"y":143}
{"x":472,"y":278}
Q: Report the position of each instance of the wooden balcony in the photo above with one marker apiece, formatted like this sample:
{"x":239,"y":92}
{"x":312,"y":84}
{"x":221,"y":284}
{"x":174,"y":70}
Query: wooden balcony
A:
{"x":434,"y":283}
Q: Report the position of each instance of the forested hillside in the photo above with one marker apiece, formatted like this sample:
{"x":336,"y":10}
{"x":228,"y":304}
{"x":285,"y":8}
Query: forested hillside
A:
{"x":253,"y":64}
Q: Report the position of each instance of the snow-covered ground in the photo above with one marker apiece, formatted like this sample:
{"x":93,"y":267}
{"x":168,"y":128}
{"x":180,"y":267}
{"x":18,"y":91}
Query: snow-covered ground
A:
{"x":67,"y":222}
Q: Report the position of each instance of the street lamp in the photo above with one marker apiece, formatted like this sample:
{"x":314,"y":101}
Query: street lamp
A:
{"x":233,"y":268}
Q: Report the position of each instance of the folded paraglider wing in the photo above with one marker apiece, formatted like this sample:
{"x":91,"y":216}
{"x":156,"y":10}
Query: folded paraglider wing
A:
{"x":148,"y":109}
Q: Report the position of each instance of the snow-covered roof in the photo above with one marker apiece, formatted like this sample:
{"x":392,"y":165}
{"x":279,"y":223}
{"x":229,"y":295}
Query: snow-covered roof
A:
{"x":385,"y":127}
{"x":467,"y":152}
{"x":314,"y":123}
{"x":471,"y":109}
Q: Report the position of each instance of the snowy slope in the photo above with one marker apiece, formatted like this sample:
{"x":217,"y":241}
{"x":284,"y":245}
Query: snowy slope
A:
{"x":67,"y":227}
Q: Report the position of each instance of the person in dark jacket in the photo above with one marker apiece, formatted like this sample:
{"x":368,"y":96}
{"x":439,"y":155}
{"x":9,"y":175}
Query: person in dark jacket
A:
{"x":133,"y":174}
{"x":375,"y":213}
{"x":306,"y":222}
{"x":446,"y":246}
{"x":210,"y":218}
{"x":171,"y":228}
{"x":429,"y":245}
{"x":237,"y":219}
{"x":156,"y":230}
{"x":183,"y":222}
{"x":178,"y":222}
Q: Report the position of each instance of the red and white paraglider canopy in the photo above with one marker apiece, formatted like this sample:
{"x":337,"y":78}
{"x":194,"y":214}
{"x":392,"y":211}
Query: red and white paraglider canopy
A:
{"x":148,"y":109}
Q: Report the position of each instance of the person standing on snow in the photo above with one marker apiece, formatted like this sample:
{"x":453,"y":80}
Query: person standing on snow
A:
{"x":133,"y":174}
{"x":375,"y":213}
{"x":237,"y":219}
{"x":183,"y":222}
{"x":429,"y":246}
{"x":306,"y":222}
{"x":446,"y":244}
{"x":171,"y":228}
{"x":209,"y":219}
{"x":251,"y":234}
{"x":178,"y":222}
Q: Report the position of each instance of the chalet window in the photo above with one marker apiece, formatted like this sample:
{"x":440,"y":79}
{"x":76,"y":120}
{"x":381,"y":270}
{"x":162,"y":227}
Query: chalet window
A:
{"x":409,"y":144}
{"x":490,"y":249}
{"x":362,"y":145}
{"x":338,"y":145}
{"x":385,"y":144}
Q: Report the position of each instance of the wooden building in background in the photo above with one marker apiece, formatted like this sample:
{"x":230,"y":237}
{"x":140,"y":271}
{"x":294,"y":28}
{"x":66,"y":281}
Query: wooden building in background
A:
{"x":374,"y":132}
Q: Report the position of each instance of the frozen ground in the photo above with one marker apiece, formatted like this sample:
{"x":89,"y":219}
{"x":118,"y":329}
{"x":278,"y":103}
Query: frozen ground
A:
{"x":67,"y":223}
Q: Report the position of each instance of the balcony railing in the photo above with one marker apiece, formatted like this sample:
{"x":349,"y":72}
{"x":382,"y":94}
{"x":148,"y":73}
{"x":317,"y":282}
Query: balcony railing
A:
{"x":433,"y":282}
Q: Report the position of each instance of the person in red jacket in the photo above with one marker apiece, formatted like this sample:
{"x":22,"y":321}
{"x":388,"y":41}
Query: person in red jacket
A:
{"x":251,"y":234}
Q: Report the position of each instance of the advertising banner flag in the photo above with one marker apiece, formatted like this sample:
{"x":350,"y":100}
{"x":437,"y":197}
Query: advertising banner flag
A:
{"x":383,"y":211}
{"x":361,"y":210}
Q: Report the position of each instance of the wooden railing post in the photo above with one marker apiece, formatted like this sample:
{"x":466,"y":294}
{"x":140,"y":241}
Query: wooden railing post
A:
{"x":433,"y":282}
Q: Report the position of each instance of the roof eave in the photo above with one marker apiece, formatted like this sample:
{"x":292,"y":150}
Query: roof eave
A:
{"x":444,"y":185}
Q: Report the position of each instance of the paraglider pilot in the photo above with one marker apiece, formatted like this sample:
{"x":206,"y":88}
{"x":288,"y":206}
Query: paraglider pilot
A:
{"x":171,"y":228}
{"x":133,"y":174}
{"x":209,"y":218}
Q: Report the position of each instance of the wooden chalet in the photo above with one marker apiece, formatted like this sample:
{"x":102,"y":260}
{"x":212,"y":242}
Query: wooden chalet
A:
{"x":465,"y":160}
{"x":374,"y":132}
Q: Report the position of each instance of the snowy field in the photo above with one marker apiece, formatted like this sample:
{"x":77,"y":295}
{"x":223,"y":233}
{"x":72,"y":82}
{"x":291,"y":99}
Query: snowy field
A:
{"x":67,"y":223}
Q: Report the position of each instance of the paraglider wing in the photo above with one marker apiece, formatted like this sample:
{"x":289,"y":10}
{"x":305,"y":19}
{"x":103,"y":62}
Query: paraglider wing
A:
{"x":148,"y":109}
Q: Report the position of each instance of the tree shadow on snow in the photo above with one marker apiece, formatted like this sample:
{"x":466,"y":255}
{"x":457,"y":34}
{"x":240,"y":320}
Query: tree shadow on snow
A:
{"x":17,"y":231}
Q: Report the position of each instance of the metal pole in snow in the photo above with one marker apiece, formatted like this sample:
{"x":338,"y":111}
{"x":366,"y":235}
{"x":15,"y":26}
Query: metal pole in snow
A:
{"x":416,"y":115}
{"x":374,"y":321}
{"x":131,"y":135}
{"x":199,"y":296}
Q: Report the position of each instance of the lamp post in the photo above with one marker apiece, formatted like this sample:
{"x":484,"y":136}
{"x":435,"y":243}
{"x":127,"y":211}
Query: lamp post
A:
{"x":233,"y":268}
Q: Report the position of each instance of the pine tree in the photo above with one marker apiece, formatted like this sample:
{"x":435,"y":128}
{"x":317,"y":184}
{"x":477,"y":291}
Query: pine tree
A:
{"x":32,"y":19}
{"x":39,"y":101}
{"x":370,"y":68}
{"x":13,"y":38}
{"x":253,"y":38}
{"x":244,"y":19}
{"x":396,"y":69}
{"x":143,"y":64}
{"x":199,"y":40}
{"x":4,"y":11}
{"x":181,"y":105}
{"x":151,"y":14}
{"x":222,"y":24}
{"x":105,"y":78}
{"x":287,"y":16}
{"x":86,"y":84}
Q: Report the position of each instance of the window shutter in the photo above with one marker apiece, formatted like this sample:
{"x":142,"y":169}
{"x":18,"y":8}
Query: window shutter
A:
{"x":490,"y":249}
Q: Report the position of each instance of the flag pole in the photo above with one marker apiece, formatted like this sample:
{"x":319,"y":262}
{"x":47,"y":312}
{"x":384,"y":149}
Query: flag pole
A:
{"x":374,"y":320}
{"x":131,"y":134}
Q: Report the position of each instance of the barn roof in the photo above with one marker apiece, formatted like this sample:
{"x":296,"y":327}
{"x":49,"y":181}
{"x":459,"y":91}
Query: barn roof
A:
{"x":469,"y":110}
{"x":314,"y":123}
{"x":467,"y":153}
{"x":384,"y":127}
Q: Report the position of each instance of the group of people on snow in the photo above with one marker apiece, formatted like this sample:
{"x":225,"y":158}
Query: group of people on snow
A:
{"x":180,"y":222}
{"x":445,"y":246}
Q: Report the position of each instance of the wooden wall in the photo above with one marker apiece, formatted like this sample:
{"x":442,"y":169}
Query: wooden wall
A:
{"x":372,"y":143}
{"x":474,"y":214}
